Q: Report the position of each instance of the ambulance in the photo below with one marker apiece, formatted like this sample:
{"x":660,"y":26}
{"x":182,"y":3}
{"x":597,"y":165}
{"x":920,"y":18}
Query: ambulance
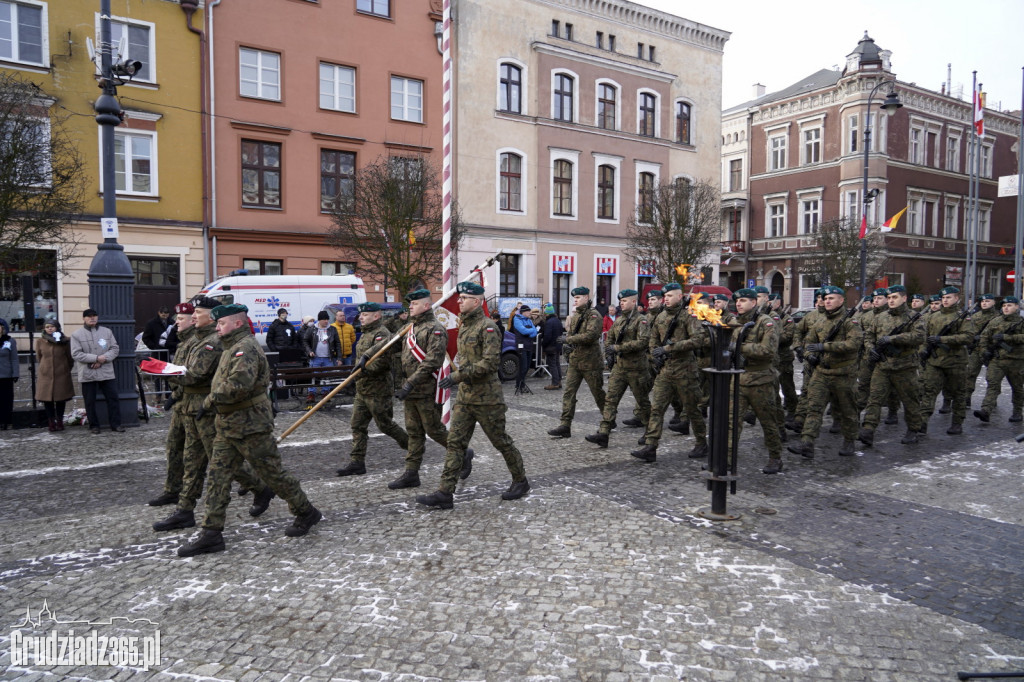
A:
{"x":300,"y":295}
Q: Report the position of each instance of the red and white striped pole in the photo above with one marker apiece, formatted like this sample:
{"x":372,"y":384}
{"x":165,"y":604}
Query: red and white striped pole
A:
{"x":446,"y":100}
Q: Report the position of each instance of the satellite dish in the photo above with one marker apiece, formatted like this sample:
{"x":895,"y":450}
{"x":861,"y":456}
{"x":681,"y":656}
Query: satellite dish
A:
{"x":91,"y":49}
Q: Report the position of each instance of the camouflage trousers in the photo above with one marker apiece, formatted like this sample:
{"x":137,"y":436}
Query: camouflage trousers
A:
{"x":788,"y":386}
{"x":801,"y":404}
{"x":1012,"y":371}
{"x":948,"y":381}
{"x":622,"y":378}
{"x":974,"y":368}
{"x":760,"y":399}
{"x":199,"y":435}
{"x":680,"y":384}
{"x":259,"y":450}
{"x":573,"y":379}
{"x":175,"y":447}
{"x":864,"y":379}
{"x":422,"y":419}
{"x":380,"y":410}
{"x":894,"y":386}
{"x":837,"y":389}
{"x":492,"y":420}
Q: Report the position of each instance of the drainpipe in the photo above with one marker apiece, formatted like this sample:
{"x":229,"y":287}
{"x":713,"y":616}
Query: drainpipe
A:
{"x":189,"y":7}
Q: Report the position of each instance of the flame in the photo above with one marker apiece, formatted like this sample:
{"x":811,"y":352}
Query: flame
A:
{"x":705,"y":312}
{"x":683,"y":270}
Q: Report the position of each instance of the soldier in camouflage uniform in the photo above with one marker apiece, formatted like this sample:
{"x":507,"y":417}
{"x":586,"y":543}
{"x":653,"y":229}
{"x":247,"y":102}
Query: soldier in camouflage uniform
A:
{"x":879,"y":306}
{"x":896,"y":362}
{"x":786,"y":357}
{"x":1003,"y":344}
{"x":374,"y":388}
{"x":988,"y":312}
{"x":765,"y":307}
{"x":946,"y":364}
{"x":797,"y":423}
{"x":675,"y":334}
{"x":200,"y":360}
{"x":245,"y":423}
{"x":759,"y":348}
{"x":835,"y":366}
{"x":918,"y":302}
{"x":626,"y":354}
{"x":934,"y":303}
{"x":479,"y":400}
{"x":585,"y":360}
{"x":174,"y":445}
{"x":653,"y":308}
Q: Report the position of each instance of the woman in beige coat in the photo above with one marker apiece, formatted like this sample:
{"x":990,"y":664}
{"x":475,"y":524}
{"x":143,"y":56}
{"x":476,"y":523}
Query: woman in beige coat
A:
{"x":53,"y":374}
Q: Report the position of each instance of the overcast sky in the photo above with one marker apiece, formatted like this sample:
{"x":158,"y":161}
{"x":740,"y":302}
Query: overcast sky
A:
{"x":779,"y":43}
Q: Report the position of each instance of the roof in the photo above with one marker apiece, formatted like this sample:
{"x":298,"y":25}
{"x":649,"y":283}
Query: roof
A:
{"x":817,"y":80}
{"x":867,"y":50}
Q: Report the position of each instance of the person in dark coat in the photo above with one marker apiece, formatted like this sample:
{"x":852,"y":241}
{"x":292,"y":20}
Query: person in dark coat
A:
{"x":282,"y":335}
{"x":154,"y":334}
{"x":525,"y":332}
{"x":551,"y":335}
{"x":53,"y":373}
{"x":8,"y":374}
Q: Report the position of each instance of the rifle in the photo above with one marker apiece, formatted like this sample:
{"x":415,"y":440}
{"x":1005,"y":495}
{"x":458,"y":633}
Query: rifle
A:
{"x":993,"y":351}
{"x":659,"y":361}
{"x":739,"y":362}
{"x":812,"y":359}
{"x":888,"y":350}
{"x":930,"y":348}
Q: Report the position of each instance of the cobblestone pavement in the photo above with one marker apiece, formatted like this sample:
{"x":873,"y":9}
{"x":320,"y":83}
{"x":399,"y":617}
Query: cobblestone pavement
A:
{"x":902,"y":563}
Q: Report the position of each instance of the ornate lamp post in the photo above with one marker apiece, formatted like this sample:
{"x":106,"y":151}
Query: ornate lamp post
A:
{"x":891,"y":104}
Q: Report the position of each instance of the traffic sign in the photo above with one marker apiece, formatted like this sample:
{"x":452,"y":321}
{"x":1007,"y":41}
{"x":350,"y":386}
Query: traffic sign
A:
{"x":1011,"y":276}
{"x":751,"y":283}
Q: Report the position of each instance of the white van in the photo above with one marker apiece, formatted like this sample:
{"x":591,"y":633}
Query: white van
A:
{"x":300,"y":295}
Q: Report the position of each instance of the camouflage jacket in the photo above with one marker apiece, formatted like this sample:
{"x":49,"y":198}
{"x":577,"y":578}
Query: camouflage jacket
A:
{"x":906,"y":344}
{"x":759,"y":349}
{"x":787,"y":328}
{"x":981,"y":320}
{"x":805,"y":323}
{"x":630,"y":335}
{"x":375,"y":378}
{"x":1002,"y":325}
{"x":686,"y":338}
{"x":584,"y":335}
{"x":202,"y":360}
{"x":186,"y":339}
{"x":238,"y":391}
{"x":956,"y":339}
{"x":479,"y":349}
{"x":432,"y":338}
{"x":842,"y":352}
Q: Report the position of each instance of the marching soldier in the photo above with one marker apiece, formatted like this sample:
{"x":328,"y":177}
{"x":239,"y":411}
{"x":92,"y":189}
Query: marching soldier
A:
{"x":786,"y":357}
{"x":675,"y":334}
{"x":831,"y":345}
{"x":947,"y":336}
{"x":934,"y":303}
{"x":919,"y":303}
{"x":374,"y":388}
{"x":479,"y":400}
{"x":879,"y":304}
{"x":1003,"y":344}
{"x":175,"y":442}
{"x":988,"y":312}
{"x":797,"y":423}
{"x":654,"y":303}
{"x":896,"y":362}
{"x":585,"y":361}
{"x":244,"y":422}
{"x":626,"y":355}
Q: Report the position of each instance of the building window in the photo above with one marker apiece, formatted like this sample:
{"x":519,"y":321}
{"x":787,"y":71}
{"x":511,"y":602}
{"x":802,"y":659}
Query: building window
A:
{"x":854,"y":132}
{"x":510,"y":191}
{"x":606,"y":192}
{"x":606,"y":102}
{"x":406,"y":99}
{"x":337,"y":88}
{"x":984,"y":224}
{"x":563,"y":97}
{"x":650,"y":53}
{"x":915,"y":225}
{"x":380,"y":8}
{"x":337,"y":267}
{"x":562,"y":197}
{"x":639,"y":50}
{"x":261,"y":174}
{"x":23,"y":32}
{"x":555,"y":27}
{"x":851,"y":200}
{"x":410,"y":172}
{"x":156,"y":272}
{"x":600,"y":40}
{"x":138,"y":42}
{"x":645,"y":198}
{"x":262,"y":266}
{"x":986,"y":160}
{"x":611,"y":42}
{"x":812,"y":145}
{"x":682,"y":123}
{"x":337,"y":180}
{"x":647,"y":117}
{"x":259,"y":74}
{"x":135,"y":163}
{"x":735,"y":175}
{"x":511,"y":88}
{"x":568,"y":31}
{"x":508,"y":274}
{"x":734,"y":225}
{"x":916,"y":145}
{"x":811,"y":215}
{"x":560,"y":293}
{"x":777,"y":220}
{"x":778,"y":152}
{"x":953,"y":154}
{"x":949,"y":230}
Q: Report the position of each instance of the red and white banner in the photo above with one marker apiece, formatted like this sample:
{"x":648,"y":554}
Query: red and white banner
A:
{"x":563,"y":265}
{"x":979,"y":112}
{"x":645,"y":268}
{"x":607,"y":266}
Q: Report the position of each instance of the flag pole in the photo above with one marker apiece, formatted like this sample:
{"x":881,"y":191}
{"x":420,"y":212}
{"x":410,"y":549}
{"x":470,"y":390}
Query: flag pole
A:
{"x":1018,"y":257}
{"x":969,"y":214}
{"x":446,"y":119}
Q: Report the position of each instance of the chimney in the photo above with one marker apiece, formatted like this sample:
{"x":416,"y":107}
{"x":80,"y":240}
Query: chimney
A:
{"x":758,"y":90}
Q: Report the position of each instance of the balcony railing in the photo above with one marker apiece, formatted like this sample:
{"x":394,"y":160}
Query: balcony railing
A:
{"x":734,"y":248}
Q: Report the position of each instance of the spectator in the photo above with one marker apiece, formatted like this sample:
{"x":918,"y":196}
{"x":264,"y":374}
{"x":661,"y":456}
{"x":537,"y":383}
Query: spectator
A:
{"x":609,"y":318}
{"x":323,"y":350}
{"x":94,"y":348}
{"x":154,"y":335}
{"x":551,"y":342}
{"x":602,"y":306}
{"x":281,"y":335}
{"x":496,"y":316}
{"x":53,"y":373}
{"x":8,"y":375}
{"x":346,"y":336}
{"x":522,"y":326}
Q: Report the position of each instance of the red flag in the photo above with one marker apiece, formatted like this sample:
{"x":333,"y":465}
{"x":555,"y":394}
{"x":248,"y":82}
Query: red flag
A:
{"x":863,"y":226}
{"x":979,"y":113}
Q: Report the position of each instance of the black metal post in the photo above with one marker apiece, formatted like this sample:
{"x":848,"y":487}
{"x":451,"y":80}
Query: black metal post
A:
{"x":723,"y":421}
{"x":111,"y":281}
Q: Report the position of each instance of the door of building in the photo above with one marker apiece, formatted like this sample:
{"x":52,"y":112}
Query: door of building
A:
{"x":157,"y":283}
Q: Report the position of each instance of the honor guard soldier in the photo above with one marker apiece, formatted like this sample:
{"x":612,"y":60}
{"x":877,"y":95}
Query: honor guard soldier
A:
{"x":479,"y":400}
{"x":797,"y":423}
{"x":988,"y":312}
{"x":583,"y":345}
{"x":934,"y":303}
{"x":374,"y":389}
{"x":244,"y":423}
{"x":879,"y":304}
{"x":948,"y":332}
{"x":1003,"y":344}
{"x":654,"y":303}
{"x":786,"y":357}
{"x":918,"y":303}
{"x":625,"y":352}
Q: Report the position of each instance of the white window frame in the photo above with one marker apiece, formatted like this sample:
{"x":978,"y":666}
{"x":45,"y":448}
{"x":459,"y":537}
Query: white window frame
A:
{"x":915,"y":218}
{"x":616,"y":163}
{"x":853,"y":140}
{"x":951,"y":218}
{"x":523,"y":85}
{"x":780,"y":199}
{"x":149,"y":59}
{"x":693,"y":120}
{"x":618,"y":102}
{"x":523,"y":181}
{"x":851,"y":204}
{"x":916,"y":151}
{"x":335,"y":70}
{"x":953,"y":160}
{"x":573,"y":157}
{"x":806,"y":145}
{"x":260,"y":70}
{"x":984,"y":227}
{"x":879,"y":128}
{"x":644,"y":167}
{"x":575,"y":94}
{"x":657,"y":111}
{"x":154,"y":186}
{"x":44,"y":52}
{"x":985,"y":167}
{"x":804,"y":197}
{"x":782,"y":148}
{"x":406,"y":108}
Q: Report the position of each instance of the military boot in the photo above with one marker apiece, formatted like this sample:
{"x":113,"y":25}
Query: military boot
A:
{"x":163,"y":499}
{"x":675,"y":419}
{"x":700,"y":450}
{"x":955,"y":430}
{"x":947,"y":407}
{"x":805,"y":448}
{"x":410,"y":478}
{"x":632,"y":423}
{"x":774,"y":466}
{"x":924,"y":429}
{"x":467,"y":465}
{"x":682,"y":427}
{"x":1016,"y":416}
{"x":207,"y":542}
{"x":983,"y":415}
{"x":647,"y":453}
{"x":303,"y":522}
{"x":848,"y":449}
{"x":642,"y":440}
{"x":866,"y":436}
{"x":356,"y":467}
{"x":892,"y":417}
{"x":439,"y":499}
{"x":911,"y":437}
{"x":516,"y":490}
{"x":597,"y":439}
{"x":181,"y":518}
{"x":261,"y":501}
{"x":749,"y":418}
{"x":835,"y":428}
{"x":561,"y":431}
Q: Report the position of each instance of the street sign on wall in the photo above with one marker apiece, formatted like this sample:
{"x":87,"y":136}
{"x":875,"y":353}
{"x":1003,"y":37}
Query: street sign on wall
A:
{"x":1008,"y":185}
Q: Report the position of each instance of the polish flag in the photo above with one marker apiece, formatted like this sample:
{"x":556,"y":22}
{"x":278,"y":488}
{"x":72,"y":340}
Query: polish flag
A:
{"x":863,"y":226}
{"x":979,"y":113}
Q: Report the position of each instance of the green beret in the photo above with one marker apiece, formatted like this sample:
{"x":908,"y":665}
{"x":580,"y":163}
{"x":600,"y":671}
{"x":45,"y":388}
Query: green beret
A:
{"x":986,"y":297}
{"x":672,"y":286}
{"x":882,"y":291}
{"x":832,"y":289}
{"x":919,"y":297}
{"x":934,"y":297}
{"x":1011,"y":299}
{"x":626,"y":293}
{"x":948,"y":290}
{"x":721,"y":297}
{"x":762,"y":290}
{"x":897,"y":289}
{"x":417,"y":294}
{"x":580,"y":291}
{"x":227,"y":310}
{"x":655,"y":293}
{"x":471,"y":288}
{"x":774,"y":297}
{"x":744,"y":293}
{"x":369,"y":307}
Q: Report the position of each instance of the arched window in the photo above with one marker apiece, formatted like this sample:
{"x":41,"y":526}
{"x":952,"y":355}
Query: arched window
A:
{"x":562,"y":188}
{"x":683,"y":115}
{"x":606,"y":192}
{"x":606,"y":102}
{"x":645,"y":203}
{"x":647,"y":117}
{"x":510,"y":88}
{"x":562,"y":102}
{"x":510,"y":190}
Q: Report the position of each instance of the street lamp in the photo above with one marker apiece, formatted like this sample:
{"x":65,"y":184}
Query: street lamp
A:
{"x":891,"y":104}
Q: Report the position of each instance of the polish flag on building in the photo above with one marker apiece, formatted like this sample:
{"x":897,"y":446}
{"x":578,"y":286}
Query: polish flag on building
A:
{"x":979,"y":113}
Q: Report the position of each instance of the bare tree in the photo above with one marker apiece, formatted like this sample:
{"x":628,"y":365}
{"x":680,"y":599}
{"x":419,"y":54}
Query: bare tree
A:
{"x":42,"y":183}
{"x":836,"y":258}
{"x":676,"y":223}
{"x":391,"y":219}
